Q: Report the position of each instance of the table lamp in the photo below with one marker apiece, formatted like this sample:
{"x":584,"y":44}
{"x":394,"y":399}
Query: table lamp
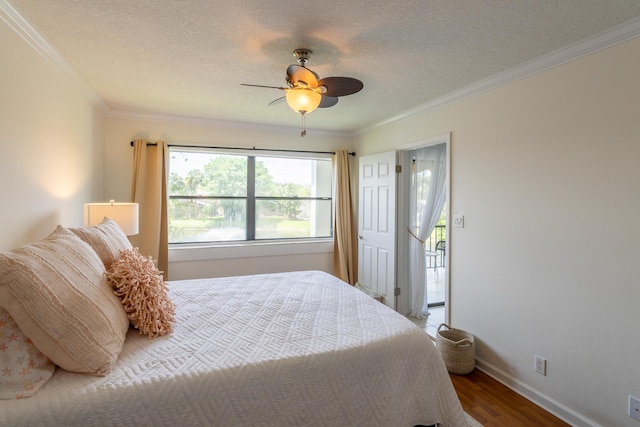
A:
{"x":124,"y":214}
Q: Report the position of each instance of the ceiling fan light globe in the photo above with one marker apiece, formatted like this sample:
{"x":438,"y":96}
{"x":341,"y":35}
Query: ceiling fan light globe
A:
{"x":303,"y":100}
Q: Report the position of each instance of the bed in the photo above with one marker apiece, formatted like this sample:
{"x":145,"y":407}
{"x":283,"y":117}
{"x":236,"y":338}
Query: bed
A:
{"x":91,"y":335}
{"x":288,"y":349}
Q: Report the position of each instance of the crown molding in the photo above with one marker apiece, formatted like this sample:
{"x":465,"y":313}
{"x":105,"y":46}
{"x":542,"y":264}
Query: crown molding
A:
{"x":228,"y":124}
{"x":33,"y":38}
{"x":616,"y":35}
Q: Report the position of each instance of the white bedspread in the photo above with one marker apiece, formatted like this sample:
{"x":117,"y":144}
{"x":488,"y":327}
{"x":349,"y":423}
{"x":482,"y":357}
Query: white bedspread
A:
{"x":291,"y":349}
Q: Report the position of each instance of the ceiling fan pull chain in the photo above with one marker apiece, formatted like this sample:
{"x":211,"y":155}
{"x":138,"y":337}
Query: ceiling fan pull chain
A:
{"x":303,"y":132}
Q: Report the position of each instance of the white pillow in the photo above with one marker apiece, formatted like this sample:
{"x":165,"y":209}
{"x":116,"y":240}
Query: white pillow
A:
{"x":57,"y":293}
{"x":106,"y":238}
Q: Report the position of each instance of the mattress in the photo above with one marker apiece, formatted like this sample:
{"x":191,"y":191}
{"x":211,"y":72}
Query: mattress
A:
{"x":290,"y":349}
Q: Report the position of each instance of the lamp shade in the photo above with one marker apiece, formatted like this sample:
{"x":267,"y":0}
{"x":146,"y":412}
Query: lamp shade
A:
{"x":303,"y":100}
{"x":124,"y":214}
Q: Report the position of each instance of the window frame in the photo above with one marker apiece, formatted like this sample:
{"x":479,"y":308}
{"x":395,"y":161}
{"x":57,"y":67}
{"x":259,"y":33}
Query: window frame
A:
{"x":251,"y":198}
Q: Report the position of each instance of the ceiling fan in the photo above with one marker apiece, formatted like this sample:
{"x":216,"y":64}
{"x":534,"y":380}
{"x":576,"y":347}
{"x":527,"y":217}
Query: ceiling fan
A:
{"x":306,"y":91}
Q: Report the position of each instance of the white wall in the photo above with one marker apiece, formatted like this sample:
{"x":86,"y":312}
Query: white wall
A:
{"x":51,"y":136}
{"x":121,"y":128}
{"x":546,"y":171}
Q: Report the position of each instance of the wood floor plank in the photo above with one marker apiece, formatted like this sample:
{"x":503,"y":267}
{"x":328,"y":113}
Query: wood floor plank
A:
{"x":495,"y":405}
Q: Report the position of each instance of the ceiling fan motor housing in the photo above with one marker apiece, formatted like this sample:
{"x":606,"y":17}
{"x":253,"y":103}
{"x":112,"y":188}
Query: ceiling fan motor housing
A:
{"x":302,"y":55}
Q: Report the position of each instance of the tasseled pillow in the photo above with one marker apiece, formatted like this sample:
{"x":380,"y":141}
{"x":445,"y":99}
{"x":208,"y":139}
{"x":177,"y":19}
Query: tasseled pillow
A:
{"x":144,"y":295}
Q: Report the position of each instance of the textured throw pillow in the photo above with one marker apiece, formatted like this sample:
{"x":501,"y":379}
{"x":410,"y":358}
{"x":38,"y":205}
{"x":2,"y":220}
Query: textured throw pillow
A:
{"x":23,"y":369}
{"x":57,"y":293}
{"x":106,"y":238}
{"x":139,"y":285}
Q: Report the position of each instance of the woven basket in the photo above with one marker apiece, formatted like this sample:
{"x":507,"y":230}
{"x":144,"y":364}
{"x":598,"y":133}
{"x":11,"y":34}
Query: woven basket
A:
{"x":457,"y":349}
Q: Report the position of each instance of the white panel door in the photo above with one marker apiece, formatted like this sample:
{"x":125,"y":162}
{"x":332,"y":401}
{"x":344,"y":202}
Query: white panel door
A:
{"x":377,"y":224}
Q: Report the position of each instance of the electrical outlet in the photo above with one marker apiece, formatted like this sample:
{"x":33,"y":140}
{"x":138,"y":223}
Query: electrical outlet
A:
{"x":458,"y":220}
{"x":540,"y":365}
{"x":634,"y":408}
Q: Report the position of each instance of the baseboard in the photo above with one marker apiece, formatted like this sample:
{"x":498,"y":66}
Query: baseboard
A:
{"x":556,"y":408}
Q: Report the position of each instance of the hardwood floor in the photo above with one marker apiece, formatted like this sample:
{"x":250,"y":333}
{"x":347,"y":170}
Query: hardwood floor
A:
{"x":495,"y":405}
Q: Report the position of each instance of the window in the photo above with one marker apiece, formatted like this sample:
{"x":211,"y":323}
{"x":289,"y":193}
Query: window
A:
{"x":216,"y":196}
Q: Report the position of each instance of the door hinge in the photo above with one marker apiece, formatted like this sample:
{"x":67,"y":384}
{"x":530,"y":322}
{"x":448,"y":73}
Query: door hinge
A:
{"x":398,"y":168}
{"x":396,"y":292}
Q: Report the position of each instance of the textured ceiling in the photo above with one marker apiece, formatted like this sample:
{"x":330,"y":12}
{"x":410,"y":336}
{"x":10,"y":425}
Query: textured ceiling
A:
{"x":189,"y":57}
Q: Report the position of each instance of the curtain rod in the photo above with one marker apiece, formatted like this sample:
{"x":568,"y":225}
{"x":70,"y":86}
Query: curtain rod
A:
{"x":351,"y":153}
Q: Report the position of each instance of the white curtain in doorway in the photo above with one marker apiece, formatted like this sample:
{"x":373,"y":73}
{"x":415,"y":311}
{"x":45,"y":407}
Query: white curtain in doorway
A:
{"x":428,"y":176}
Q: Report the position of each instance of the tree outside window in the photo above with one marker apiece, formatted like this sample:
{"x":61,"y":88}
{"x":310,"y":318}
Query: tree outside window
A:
{"x":216,"y":197}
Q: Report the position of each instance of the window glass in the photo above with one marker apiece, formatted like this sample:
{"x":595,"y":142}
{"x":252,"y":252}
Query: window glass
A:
{"x":217,"y":197}
{"x":293,"y":177}
{"x":284,"y":219}
{"x":206,"y":220}
{"x":207,"y":174}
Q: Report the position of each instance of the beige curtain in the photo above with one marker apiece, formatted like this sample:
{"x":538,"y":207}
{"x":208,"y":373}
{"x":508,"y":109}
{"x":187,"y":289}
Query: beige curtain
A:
{"x":149,"y":190}
{"x":344,"y":233}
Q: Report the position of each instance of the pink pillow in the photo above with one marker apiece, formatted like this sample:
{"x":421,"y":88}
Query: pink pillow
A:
{"x":23,"y":369}
{"x":106,"y":238}
{"x":144,"y":295}
{"x":57,"y":293}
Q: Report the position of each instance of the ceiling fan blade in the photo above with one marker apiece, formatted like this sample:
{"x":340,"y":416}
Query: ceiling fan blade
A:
{"x":269,"y":87}
{"x":327,"y":101}
{"x":341,"y":86}
{"x":277,"y":101}
{"x":297,"y":73}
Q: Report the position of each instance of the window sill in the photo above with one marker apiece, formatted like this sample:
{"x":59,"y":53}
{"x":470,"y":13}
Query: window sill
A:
{"x":248,"y":250}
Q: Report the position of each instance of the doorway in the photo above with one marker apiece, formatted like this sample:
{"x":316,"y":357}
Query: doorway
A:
{"x":436,"y":257}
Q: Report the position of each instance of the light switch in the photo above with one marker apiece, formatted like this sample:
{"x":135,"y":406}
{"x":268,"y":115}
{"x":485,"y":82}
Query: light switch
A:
{"x":458,"y":220}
